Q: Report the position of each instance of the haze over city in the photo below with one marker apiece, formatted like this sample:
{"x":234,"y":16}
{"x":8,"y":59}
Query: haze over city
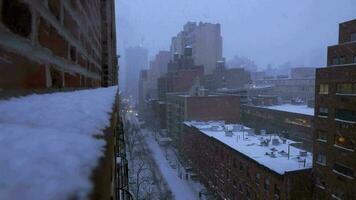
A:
{"x":268,"y":32}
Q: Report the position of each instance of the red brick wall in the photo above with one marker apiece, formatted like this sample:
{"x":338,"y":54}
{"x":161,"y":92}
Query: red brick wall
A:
{"x":345,"y":30}
{"x":19,"y":72}
{"x":205,"y":108}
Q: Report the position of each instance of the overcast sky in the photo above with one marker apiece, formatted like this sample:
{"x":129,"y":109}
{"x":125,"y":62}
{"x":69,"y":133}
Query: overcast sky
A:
{"x":267,"y":31}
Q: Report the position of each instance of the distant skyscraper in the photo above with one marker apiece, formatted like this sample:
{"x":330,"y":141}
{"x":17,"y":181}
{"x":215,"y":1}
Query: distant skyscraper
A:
{"x":205,"y":40}
{"x":136,"y":59}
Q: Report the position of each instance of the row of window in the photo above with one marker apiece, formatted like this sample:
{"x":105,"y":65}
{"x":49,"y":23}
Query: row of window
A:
{"x":340,"y":114}
{"x":340,"y":140}
{"x":338,"y":168}
{"x":341,"y":60}
{"x":342,"y":88}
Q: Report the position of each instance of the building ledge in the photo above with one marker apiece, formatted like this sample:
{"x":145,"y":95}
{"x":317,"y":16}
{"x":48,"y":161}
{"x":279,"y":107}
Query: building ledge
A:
{"x":344,"y":121}
{"x":341,"y":174}
{"x":343,"y":148}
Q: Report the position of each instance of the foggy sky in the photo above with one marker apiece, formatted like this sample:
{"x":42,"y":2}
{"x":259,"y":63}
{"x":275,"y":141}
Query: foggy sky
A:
{"x":266,"y":31}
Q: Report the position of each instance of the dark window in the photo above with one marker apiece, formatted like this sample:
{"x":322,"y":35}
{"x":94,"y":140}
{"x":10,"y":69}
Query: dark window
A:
{"x":321,"y":159}
{"x":353,"y":37}
{"x":342,"y":60}
{"x":277,"y":192}
{"x":266,"y":184}
{"x":322,"y":135}
{"x":241,"y":166}
{"x":346,"y":115}
{"x":55,"y":8}
{"x":346,"y":88}
{"x":73,"y":53}
{"x":323,"y":111}
{"x":339,"y":168}
{"x":241,"y":189}
{"x":354,"y":60}
{"x":17,"y":16}
{"x":258,"y":178}
{"x":335,"y":61}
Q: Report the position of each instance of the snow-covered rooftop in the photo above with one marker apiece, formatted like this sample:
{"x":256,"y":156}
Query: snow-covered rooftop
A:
{"x":300,"y":109}
{"x":269,"y":150}
{"x":47,"y":148}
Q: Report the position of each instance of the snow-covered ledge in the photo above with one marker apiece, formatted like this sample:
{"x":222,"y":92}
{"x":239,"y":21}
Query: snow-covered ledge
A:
{"x":47,"y":144}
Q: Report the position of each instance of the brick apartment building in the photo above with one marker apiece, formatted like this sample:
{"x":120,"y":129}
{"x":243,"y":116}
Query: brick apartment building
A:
{"x":181,"y":74}
{"x":57,"y":44}
{"x":335,"y":119}
{"x":50,"y":45}
{"x":295,"y":122}
{"x":234,"y":163}
{"x":183,"y":107}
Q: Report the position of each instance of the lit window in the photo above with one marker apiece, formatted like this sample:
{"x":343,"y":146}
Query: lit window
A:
{"x":321,"y":159}
{"x":345,"y":142}
{"x":322,"y":135}
{"x":335,"y":61}
{"x":353,"y":37}
{"x":323,"y":111}
{"x":324,"y":89}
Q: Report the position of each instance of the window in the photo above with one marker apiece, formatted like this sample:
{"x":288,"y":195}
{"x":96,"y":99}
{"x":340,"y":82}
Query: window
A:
{"x":322,"y":135}
{"x":323,"y":111}
{"x":320,"y":182}
{"x":324,"y":89}
{"x":335,"y":61}
{"x":353,"y":37}
{"x":342,"y":60}
{"x":248,"y":195}
{"x":321,"y":159}
{"x":343,"y":170}
{"x":345,"y":142}
{"x":248,"y":174}
{"x":345,"y":115}
{"x":266,"y":184}
{"x":17,"y":17}
{"x":73,"y":53}
{"x":258,"y":178}
{"x":234,"y":163}
{"x":354,"y":59}
{"x":338,"y":194}
{"x":241,"y":166}
{"x":277,"y":192}
{"x":241,"y":189}
{"x":344,"y":88}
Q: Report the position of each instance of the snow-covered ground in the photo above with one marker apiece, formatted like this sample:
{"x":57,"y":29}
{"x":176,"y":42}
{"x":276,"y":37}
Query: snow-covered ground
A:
{"x":47,"y":148}
{"x":179,"y":186}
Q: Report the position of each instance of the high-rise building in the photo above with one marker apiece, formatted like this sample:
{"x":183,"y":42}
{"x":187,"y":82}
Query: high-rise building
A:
{"x":335,"y":119}
{"x":205,"y":40}
{"x":136,"y":59}
{"x":57,"y":44}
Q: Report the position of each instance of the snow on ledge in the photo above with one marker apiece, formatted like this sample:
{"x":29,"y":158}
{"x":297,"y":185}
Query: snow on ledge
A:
{"x":47,"y":148}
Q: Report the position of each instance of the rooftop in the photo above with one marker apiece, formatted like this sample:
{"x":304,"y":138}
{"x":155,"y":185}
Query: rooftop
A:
{"x":269,"y":150}
{"x":47,"y":144}
{"x":300,"y":109}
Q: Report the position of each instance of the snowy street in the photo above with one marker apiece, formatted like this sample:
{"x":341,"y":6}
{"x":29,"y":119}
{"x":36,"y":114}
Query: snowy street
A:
{"x":166,"y":162}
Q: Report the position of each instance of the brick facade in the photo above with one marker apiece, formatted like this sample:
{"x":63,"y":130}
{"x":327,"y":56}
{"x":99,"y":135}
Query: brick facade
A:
{"x":57,"y":44}
{"x":335,"y":118}
{"x":232,"y":175}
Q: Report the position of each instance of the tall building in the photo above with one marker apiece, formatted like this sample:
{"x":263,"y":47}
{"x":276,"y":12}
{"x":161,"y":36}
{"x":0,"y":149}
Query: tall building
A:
{"x":57,"y":44}
{"x":136,"y":59}
{"x":205,"y":40}
{"x":49,"y":46}
{"x":335,"y":119}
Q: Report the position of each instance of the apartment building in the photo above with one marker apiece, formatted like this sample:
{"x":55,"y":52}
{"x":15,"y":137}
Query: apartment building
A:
{"x":335,"y":118}
{"x":235,"y":163}
{"x":181,"y":107}
{"x":57,"y":44}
